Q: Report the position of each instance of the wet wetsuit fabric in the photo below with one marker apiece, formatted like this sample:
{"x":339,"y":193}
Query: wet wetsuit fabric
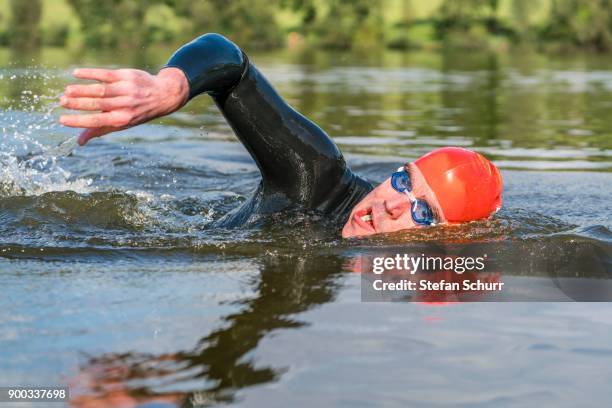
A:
{"x":301,"y":167}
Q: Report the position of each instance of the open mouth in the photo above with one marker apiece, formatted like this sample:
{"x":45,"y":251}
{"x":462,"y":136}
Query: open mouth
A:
{"x":363,"y":218}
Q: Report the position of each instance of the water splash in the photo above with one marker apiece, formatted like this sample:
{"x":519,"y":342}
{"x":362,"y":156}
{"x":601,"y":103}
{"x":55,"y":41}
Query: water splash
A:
{"x":37,"y":175}
{"x":64,"y":149}
{"x":29,"y":154}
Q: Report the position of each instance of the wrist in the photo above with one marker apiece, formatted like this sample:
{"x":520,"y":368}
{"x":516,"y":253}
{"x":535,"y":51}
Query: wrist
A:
{"x":176,"y":87}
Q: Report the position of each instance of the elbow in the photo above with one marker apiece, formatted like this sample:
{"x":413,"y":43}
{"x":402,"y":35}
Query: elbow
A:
{"x":212,"y":63}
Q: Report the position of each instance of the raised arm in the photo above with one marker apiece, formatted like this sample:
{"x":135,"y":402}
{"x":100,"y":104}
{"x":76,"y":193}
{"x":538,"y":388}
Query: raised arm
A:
{"x":296,"y":158}
{"x":128,"y":97}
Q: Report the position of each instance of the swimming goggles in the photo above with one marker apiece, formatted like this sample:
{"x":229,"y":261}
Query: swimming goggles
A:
{"x":420,"y":210}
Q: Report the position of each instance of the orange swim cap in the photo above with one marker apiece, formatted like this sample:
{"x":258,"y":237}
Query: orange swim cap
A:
{"x":467,"y":186}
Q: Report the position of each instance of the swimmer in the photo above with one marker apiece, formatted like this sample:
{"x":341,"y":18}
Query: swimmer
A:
{"x":301,"y":167}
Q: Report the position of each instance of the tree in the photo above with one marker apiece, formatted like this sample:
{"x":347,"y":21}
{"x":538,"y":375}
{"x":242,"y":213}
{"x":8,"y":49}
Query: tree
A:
{"x":24,"y":32}
{"x":581,"y":22}
{"x":249,"y":22}
{"x":112,"y":22}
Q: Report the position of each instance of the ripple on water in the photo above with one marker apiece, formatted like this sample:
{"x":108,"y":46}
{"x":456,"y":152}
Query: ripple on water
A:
{"x":121,"y":228}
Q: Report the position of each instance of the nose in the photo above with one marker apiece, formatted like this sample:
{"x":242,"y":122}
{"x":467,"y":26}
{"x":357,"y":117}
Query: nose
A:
{"x":397,"y":205}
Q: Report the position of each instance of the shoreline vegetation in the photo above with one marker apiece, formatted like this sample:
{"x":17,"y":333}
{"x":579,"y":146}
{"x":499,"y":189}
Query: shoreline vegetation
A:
{"x":496,"y":25}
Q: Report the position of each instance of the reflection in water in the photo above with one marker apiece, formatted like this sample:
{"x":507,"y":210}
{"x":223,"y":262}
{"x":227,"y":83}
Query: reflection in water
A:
{"x":475,"y":114}
{"x":566,"y":266}
{"x":223,"y":363}
{"x":288,"y":285}
{"x":141,"y":200}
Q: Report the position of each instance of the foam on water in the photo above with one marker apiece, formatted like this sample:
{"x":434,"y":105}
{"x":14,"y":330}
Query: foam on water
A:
{"x":37,"y":175}
{"x":29,"y":153}
{"x":53,"y":199}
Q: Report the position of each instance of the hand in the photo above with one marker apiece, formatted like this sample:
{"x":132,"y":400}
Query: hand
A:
{"x":123,"y":97}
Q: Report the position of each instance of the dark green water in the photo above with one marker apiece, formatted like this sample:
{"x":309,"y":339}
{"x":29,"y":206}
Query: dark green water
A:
{"x":111,"y":279}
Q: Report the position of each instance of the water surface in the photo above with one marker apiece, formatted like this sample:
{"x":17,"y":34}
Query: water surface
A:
{"x":110,"y":276}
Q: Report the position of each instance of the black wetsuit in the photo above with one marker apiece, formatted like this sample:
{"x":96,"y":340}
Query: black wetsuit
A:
{"x":301,"y":167}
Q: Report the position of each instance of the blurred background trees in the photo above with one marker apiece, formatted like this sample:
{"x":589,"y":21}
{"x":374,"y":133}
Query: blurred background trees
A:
{"x":338,"y":24}
{"x":24,"y":30}
{"x":585,"y":22}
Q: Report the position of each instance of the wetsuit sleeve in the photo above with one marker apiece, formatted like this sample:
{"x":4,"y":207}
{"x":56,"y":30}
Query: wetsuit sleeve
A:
{"x":299,"y":162}
{"x":211,"y":63}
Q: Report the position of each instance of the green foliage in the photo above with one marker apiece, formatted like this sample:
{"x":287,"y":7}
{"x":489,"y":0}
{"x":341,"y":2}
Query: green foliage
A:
{"x":55,"y":35}
{"x":474,"y":18}
{"x":250,"y":22}
{"x":520,"y":17}
{"x":110,"y":23}
{"x":486,"y":24}
{"x":4,"y":25}
{"x":337,"y":24}
{"x":357,"y":22}
{"x":583,"y":23}
{"x":341,"y":24}
{"x":411,"y":35}
{"x":163,"y":25}
{"x":246,"y":21}
{"x":25,"y":18}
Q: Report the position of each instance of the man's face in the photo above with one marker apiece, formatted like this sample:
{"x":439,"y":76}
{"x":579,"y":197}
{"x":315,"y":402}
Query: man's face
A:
{"x":387,"y":210}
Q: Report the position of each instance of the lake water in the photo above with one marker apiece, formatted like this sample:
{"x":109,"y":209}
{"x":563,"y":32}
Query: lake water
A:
{"x":111,"y":281}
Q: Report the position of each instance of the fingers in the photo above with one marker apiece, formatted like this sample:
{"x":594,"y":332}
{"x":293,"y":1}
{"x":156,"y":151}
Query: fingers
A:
{"x":93,"y":90}
{"x":116,"y":96}
{"x":99,"y":90}
{"x":89,"y":134}
{"x":97,"y":120}
{"x":97,"y":104}
{"x":98,"y":74}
